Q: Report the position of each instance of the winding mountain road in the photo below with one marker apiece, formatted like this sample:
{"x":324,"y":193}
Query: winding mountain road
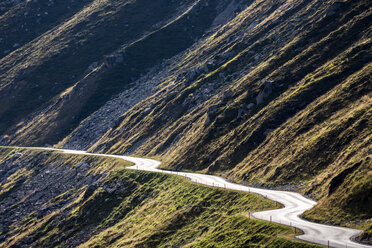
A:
{"x":294,"y":204}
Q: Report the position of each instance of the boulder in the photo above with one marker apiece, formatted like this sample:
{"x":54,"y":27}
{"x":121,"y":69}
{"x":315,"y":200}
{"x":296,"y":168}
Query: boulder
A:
{"x":112,"y":60}
{"x":147,"y":110}
{"x":212,"y":109}
{"x":82,"y":165}
{"x":90,"y":190}
{"x":3,"y":141}
{"x":266,"y":90}
{"x":268,"y":131}
{"x":227,"y":94}
{"x":240,"y":113}
{"x":252,"y":25}
{"x":251,"y":105}
{"x":210,"y":114}
{"x":17,"y":155}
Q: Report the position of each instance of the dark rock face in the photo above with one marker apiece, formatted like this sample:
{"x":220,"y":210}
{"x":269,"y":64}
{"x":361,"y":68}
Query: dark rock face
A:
{"x":111,"y":44}
{"x":108,"y":116}
{"x":334,"y":8}
{"x":112,"y":60}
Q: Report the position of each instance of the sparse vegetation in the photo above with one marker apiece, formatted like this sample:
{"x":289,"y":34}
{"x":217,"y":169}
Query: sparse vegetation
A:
{"x":276,"y":94}
{"x":140,"y":209}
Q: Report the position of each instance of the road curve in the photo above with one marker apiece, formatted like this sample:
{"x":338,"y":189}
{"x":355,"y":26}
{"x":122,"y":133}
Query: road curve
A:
{"x":294,"y":203}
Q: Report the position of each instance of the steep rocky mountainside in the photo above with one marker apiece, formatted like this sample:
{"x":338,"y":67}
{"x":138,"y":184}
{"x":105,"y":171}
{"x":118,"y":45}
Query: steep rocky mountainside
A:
{"x":280,"y":95}
{"x":57,"y":200}
{"x":266,"y":93}
{"x":59,"y":77}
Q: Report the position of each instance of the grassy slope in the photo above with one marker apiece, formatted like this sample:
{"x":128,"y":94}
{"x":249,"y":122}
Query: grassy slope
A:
{"x":147,"y":210}
{"x":50,"y":64}
{"x":33,"y":18}
{"x":124,"y":30}
{"x":311,"y":134}
{"x":319,"y":113}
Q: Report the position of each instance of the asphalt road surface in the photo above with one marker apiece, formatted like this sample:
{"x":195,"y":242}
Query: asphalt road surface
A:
{"x":294,"y":204}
